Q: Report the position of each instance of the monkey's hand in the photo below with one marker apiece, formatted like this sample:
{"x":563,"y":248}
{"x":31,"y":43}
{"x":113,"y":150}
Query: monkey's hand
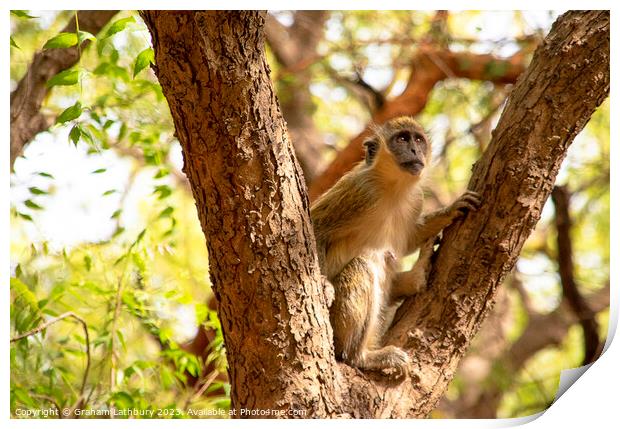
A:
{"x":432,"y":223}
{"x":410,"y":282}
{"x":469,"y":201}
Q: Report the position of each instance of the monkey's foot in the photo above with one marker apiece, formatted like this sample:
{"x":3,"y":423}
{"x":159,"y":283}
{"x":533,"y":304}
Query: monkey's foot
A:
{"x":391,"y":361}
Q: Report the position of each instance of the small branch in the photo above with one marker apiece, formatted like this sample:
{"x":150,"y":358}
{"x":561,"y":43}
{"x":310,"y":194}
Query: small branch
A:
{"x":51,"y":401}
{"x":587,"y":319}
{"x":43,"y":326}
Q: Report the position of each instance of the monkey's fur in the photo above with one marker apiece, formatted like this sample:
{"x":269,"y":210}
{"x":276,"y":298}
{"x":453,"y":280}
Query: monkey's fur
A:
{"x":363,"y":225}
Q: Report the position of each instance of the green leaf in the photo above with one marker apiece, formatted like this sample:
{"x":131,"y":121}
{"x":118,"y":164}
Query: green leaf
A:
{"x":167,"y":212}
{"x":98,"y":171}
{"x":32,"y":205}
{"x":88,"y":262}
{"x":36,"y":191}
{"x":74,"y":134}
{"x":143,"y":59}
{"x":23,"y":397}
{"x":118,"y":25}
{"x":164,"y":191}
{"x":70,"y":113}
{"x":62,"y":40}
{"x":13,"y":44}
{"x":25,"y":216}
{"x":22,"y":14}
{"x":140,"y":236}
{"x":65,"y":77}
{"x":162,"y":172}
{"x":116,"y":214}
{"x":109,"y":192}
{"x":85,"y":35}
{"x":122,"y":400}
{"x":87,"y":137}
{"x":44,"y":174}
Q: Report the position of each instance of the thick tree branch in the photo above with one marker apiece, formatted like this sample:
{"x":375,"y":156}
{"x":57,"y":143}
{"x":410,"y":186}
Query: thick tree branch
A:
{"x":26,"y":117}
{"x":429,"y":66}
{"x":552,"y":101}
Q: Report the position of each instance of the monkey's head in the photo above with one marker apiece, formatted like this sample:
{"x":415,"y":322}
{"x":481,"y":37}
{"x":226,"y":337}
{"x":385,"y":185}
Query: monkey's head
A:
{"x":401,"y":142}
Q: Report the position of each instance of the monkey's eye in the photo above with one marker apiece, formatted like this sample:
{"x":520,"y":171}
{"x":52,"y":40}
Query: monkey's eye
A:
{"x":403,"y":138}
{"x":418,"y":138}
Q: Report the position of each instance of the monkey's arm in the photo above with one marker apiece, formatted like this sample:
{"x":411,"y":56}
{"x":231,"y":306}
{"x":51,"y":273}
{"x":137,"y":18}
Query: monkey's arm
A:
{"x":408,"y":283}
{"x":432,"y":223}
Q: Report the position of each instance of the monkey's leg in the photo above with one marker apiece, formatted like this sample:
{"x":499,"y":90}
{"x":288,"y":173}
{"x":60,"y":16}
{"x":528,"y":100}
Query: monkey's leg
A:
{"x":349,"y":312}
{"x":432,"y":223}
{"x":356,"y":317}
{"x":408,"y":283}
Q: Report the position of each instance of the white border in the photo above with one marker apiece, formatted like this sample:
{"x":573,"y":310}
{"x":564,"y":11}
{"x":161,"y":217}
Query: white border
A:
{"x":591,"y":401}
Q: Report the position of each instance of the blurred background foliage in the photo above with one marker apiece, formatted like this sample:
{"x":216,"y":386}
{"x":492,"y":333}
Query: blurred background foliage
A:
{"x":104,"y":230}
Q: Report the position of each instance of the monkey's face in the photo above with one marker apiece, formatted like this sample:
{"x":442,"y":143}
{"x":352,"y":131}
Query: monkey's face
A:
{"x":402,"y":146}
{"x":409,"y":148}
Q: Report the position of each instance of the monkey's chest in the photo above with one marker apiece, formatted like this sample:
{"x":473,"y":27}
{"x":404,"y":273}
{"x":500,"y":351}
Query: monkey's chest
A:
{"x":389,"y":232}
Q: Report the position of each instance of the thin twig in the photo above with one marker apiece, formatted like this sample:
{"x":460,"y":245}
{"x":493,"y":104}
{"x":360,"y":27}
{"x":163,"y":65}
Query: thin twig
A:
{"x":50,"y":322}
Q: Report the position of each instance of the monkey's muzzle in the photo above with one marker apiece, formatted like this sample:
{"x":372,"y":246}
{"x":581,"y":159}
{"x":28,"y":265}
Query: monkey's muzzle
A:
{"x":414,"y":167}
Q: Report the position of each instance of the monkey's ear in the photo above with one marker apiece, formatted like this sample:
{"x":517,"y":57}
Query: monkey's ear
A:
{"x":371,"y":146}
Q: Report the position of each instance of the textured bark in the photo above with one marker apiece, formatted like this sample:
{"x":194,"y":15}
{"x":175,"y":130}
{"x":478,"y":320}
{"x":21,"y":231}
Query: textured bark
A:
{"x":428,"y":67}
{"x":254,"y":212}
{"x":26,"y":117}
{"x":252,"y":206}
{"x":550,"y":104}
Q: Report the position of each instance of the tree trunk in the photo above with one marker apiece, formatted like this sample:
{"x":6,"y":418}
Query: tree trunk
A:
{"x":253,"y":209}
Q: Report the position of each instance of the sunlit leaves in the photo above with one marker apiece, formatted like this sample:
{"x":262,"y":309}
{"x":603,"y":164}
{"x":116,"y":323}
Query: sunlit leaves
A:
{"x":85,"y":35}
{"x":70,"y":113}
{"x":44,"y":174}
{"x":22,"y":14}
{"x":78,"y":133}
{"x":163,"y":191}
{"x":143,"y":59}
{"x":74,"y":134}
{"x":112,"y":71}
{"x":32,"y":205}
{"x":13,"y":44}
{"x":25,"y":216}
{"x":61,"y":40}
{"x":65,"y":77}
{"x":99,"y":171}
{"x":118,"y":25}
{"x":122,"y":400}
{"x":36,"y":191}
{"x":167,"y":212}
